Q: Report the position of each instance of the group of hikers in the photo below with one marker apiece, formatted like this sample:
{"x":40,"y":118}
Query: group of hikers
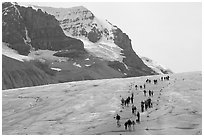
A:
{"x":165,"y":78}
{"x":145,"y":104}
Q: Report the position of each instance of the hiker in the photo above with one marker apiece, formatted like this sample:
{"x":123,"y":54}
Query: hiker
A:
{"x":146,"y":105}
{"x":145,"y":92}
{"x":126,"y":123}
{"x":129,"y":123}
{"x":138,"y":117}
{"x":134,"y":108}
{"x":149,"y":102}
{"x":133,"y":125}
{"x":127,"y":101}
{"x":122,"y":101}
{"x":144,"y":86}
{"x":118,"y":120}
{"x":142,"y":106}
{"x":150,"y":93}
{"x":132,"y":99}
{"x":132,"y":95}
{"x":155,"y":81}
{"x":140,"y":86}
{"x":136,"y":87}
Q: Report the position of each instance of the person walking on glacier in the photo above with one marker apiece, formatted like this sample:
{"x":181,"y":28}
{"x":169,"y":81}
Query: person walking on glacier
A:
{"x":117,"y":117}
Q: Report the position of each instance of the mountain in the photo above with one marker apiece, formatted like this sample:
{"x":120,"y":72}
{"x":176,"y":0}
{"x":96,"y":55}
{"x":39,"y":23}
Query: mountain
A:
{"x":70,"y":44}
{"x":158,"y":68}
{"x":101,"y":39}
{"x":26,"y":29}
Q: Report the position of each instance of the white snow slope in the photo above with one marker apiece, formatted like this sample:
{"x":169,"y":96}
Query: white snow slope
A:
{"x":155,"y":66}
{"x":88,"y":107}
{"x":13,"y":53}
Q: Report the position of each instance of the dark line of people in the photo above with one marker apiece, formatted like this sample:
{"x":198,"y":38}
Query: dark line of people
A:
{"x":145,"y":104}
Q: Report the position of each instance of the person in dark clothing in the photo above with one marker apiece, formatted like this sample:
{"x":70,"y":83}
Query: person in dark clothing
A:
{"x":150,"y":93}
{"x":133,"y":111}
{"x":133,"y":125}
{"x":128,"y":101}
{"x":126,"y":124}
{"x":149,"y":102}
{"x":138,"y":117}
{"x":132,"y":99}
{"x":145,"y":92}
{"x":144,"y":86}
{"x":151,"y":105}
{"x":129,"y":123}
{"x":142,"y":106}
{"x":122,"y":102}
{"x":146,"y":105}
{"x":140,"y":86}
{"x":136,"y":87}
{"x":134,"y":108}
{"x":117,"y":120}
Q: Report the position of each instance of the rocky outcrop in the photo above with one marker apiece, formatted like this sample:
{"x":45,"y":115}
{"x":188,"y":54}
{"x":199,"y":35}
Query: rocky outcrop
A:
{"x":135,"y":65}
{"x":158,"y":68}
{"x":25,"y":28}
{"x":13,"y":28}
{"x":16,"y":74}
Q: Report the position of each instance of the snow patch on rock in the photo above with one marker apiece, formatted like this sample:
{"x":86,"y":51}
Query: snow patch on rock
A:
{"x":57,"y":69}
{"x":13,"y":53}
{"x":78,"y":65}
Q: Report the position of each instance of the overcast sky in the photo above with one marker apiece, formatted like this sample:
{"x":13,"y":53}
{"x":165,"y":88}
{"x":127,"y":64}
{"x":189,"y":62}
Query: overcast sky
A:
{"x":169,"y":33}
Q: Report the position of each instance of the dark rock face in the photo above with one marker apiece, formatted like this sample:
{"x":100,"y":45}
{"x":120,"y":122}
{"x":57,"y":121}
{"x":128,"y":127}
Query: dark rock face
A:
{"x":23,"y":27}
{"x":24,"y":74}
{"x":94,"y":35}
{"x":13,"y":28}
{"x":132,"y":60}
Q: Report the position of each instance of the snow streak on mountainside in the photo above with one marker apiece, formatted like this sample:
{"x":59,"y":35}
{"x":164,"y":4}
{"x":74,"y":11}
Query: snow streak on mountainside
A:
{"x":158,"y":68}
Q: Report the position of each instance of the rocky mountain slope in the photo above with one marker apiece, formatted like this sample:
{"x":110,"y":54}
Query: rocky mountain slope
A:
{"x":101,"y":38}
{"x":72,"y":43}
{"x":160,"y":69}
{"x":26,"y":29}
{"x":16,"y":74}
